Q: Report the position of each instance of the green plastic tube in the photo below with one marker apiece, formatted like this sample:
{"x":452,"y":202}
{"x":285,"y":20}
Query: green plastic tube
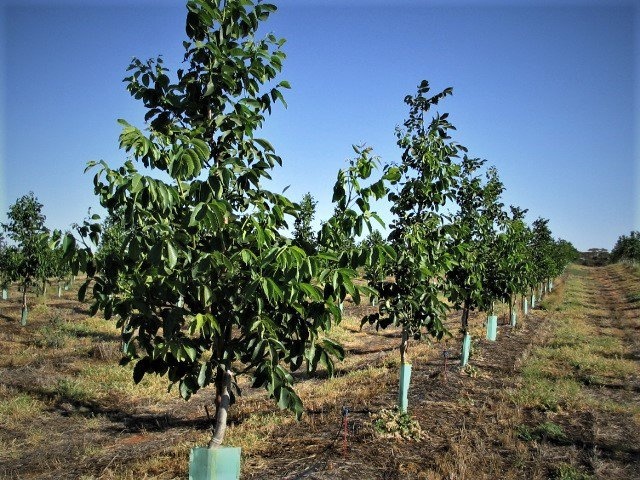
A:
{"x":23,"y":319}
{"x":514,"y":319}
{"x":466,"y":349}
{"x":5,"y":294}
{"x":525,"y":306}
{"x":492,"y":327}
{"x":403,"y":393}
{"x":222,"y":463}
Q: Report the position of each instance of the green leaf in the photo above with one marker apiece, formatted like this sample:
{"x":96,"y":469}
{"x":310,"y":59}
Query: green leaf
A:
{"x":247,"y":256}
{"x":172,"y":255}
{"x":185,"y":390}
{"x":190,"y":352}
{"x":155,"y":254}
{"x":68,"y":244}
{"x":201,"y":148}
{"x":142,"y":366}
{"x":270,"y":289}
{"x":312,"y":291}
{"x":198,"y":214}
{"x":393,"y":175}
{"x":202,"y":376}
{"x":264,"y":144}
{"x":136,"y":183}
{"x":211,"y":88}
{"x":205,"y":324}
{"x":82,"y":291}
{"x":204,"y":294}
{"x":333,"y":348}
{"x":338,"y":193}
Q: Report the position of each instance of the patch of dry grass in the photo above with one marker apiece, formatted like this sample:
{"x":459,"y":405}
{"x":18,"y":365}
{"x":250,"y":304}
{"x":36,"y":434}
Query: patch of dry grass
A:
{"x":16,"y":407}
{"x":580,"y":353}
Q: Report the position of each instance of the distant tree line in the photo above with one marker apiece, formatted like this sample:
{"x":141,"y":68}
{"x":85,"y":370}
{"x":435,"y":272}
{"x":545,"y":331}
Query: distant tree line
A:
{"x":627,"y":248}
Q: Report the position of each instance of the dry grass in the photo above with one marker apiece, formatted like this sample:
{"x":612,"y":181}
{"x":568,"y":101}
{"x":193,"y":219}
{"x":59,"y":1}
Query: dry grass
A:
{"x":581,"y":353}
{"x":60,"y":387}
{"x":588,"y":373}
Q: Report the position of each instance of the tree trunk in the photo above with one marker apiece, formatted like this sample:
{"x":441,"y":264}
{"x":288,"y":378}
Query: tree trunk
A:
{"x":510,"y":306}
{"x":404,"y":345}
{"x":223,"y":400}
{"x":24,"y":302}
{"x":465,"y":317}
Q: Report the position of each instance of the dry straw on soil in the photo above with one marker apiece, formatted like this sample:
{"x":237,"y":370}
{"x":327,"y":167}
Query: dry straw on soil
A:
{"x":68,"y":411}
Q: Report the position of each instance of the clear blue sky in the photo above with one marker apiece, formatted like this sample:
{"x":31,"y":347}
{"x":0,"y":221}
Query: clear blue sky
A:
{"x":545,"y":91}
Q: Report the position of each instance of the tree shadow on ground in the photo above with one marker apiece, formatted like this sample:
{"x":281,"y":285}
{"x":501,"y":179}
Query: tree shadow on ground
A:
{"x":123,"y":421}
{"x":103,"y":337}
{"x":7,"y":318}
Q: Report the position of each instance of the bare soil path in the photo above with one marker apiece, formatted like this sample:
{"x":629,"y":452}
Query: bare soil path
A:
{"x":615,"y":435}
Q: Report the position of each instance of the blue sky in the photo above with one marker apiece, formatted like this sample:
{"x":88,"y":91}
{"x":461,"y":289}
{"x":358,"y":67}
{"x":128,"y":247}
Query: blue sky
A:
{"x":545,"y":91}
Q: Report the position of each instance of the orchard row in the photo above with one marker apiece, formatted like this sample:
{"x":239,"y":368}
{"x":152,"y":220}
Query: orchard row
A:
{"x":195,"y":263}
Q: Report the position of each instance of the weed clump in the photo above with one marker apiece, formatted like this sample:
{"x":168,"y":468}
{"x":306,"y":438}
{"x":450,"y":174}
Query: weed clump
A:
{"x":545,"y":431}
{"x":70,"y":391}
{"x":109,"y":351}
{"x":470,"y":370}
{"x":564,"y":471}
{"x":52,"y":335}
{"x":391,"y":423}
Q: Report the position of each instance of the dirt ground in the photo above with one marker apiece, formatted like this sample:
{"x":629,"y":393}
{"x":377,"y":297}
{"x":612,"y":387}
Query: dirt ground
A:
{"x":471,"y":424}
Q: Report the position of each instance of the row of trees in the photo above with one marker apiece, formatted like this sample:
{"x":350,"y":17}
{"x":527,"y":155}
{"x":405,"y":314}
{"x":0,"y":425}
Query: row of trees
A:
{"x":496,"y":255}
{"x":451,"y":240}
{"x":28,"y":258}
{"x":195,"y":264}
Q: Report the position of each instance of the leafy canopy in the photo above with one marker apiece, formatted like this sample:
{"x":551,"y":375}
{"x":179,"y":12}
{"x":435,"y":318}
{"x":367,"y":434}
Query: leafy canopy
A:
{"x":30,"y":256}
{"x":10,"y":259}
{"x":199,"y":273}
{"x":627,"y":247}
{"x":303,"y":234}
{"x":421,"y":234}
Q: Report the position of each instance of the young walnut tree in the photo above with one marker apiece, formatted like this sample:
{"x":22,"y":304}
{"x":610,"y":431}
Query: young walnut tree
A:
{"x":421,"y":232}
{"x":29,"y":259}
{"x":515,"y":258}
{"x":465,"y":289}
{"x":204,"y":283}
